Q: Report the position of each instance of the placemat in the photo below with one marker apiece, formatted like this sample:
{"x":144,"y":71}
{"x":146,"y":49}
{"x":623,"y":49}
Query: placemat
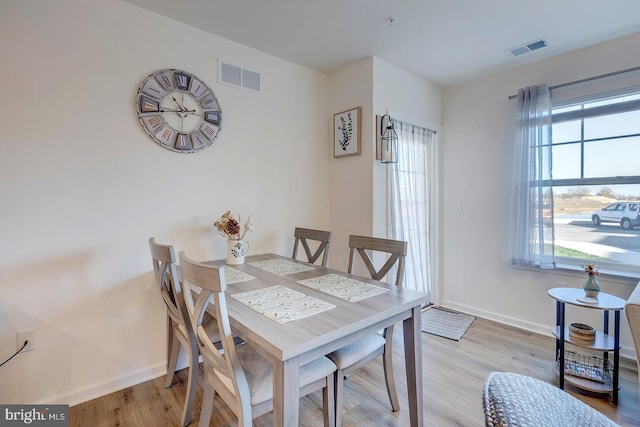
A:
{"x":231,"y":275}
{"x":281,"y":266}
{"x":343,"y":287}
{"x":282,"y":304}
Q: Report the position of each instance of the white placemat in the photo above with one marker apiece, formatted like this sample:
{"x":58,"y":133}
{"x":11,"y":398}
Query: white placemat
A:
{"x":281,"y":266}
{"x":282,"y":304}
{"x":343,"y":287}
{"x":231,"y":275}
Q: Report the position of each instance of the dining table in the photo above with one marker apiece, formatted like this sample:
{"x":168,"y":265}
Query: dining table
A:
{"x":293,"y":312}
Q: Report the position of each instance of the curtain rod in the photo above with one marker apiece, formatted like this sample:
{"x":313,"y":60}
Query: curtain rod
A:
{"x":601,"y":76}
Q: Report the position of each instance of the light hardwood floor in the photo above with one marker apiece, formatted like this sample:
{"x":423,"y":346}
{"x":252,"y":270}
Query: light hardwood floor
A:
{"x":453,"y":372}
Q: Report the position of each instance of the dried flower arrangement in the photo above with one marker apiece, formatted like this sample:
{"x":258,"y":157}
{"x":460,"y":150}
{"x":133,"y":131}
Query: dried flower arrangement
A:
{"x":229,"y":226}
{"x":591,"y":270}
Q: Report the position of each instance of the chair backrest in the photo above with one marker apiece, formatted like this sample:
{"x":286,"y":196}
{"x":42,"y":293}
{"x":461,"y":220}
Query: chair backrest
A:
{"x":168,"y":281}
{"x":303,"y":235}
{"x":632,"y":310}
{"x":232,"y":383}
{"x":397,"y":249}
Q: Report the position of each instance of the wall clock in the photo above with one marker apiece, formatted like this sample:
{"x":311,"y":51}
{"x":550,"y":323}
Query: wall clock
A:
{"x":178,"y":110}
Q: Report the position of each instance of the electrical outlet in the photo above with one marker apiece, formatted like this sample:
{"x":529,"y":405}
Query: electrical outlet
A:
{"x":27,"y":335}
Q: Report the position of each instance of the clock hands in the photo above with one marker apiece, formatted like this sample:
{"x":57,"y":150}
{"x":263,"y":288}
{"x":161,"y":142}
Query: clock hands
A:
{"x":168,"y":110}
{"x":177,"y":103}
{"x":180,"y":110}
{"x":184,"y":110}
{"x":188,"y":114}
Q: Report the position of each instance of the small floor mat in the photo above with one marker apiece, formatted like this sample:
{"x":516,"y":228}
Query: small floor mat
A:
{"x":445,"y":323}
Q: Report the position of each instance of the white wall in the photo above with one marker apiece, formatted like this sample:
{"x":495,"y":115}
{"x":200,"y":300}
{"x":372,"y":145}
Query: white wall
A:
{"x":480,"y":122}
{"x":351,"y":177}
{"x":84,"y":187}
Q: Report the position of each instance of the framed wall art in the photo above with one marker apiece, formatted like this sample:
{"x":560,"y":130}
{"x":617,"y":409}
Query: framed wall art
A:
{"x":346,"y":133}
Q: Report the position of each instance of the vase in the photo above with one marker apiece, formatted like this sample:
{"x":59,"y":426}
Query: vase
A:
{"x":236,"y":252}
{"x":591,"y":287}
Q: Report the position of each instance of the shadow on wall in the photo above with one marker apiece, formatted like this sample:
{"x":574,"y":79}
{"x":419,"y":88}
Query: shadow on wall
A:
{"x":91,"y":326}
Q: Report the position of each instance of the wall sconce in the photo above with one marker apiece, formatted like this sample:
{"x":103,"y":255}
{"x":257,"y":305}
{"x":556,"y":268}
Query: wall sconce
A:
{"x":388,"y":142}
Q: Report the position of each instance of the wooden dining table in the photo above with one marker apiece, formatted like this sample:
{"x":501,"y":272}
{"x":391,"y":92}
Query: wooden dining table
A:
{"x":294,"y":343}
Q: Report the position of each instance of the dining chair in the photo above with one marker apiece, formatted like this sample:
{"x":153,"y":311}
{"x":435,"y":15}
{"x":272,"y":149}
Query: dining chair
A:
{"x":179,"y":327}
{"x":304,"y":235}
{"x":241,"y":376}
{"x":632,"y":310}
{"x":356,"y":354}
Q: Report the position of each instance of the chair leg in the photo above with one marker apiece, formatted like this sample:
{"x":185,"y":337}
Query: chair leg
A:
{"x":387,"y":362}
{"x":328,"y":402}
{"x":192,"y":384}
{"x":245,"y":412}
{"x":174,"y":347}
{"x":207,"y":402}
{"x":338,"y":377}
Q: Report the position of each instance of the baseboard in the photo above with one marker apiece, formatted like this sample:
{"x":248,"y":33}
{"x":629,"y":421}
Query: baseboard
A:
{"x":117,"y":383}
{"x":625,"y":353}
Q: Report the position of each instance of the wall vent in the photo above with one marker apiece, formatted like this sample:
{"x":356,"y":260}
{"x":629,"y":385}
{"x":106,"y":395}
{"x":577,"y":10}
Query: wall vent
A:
{"x":237,"y":76}
{"x":525,"y":48}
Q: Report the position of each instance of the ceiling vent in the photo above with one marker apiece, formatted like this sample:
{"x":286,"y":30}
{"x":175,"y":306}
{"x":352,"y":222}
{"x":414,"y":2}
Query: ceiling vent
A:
{"x":535,"y":45}
{"x":234,"y":75}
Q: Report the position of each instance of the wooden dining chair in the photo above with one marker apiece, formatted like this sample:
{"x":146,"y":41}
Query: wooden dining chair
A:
{"x":241,"y":376}
{"x":356,"y":354}
{"x":304,"y":235}
{"x":179,"y":328}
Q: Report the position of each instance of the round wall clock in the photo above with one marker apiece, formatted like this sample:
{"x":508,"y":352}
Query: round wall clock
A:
{"x":178,"y":110}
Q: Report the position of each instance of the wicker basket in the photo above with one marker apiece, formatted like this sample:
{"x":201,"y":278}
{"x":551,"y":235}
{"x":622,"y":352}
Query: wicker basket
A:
{"x":582,"y":331}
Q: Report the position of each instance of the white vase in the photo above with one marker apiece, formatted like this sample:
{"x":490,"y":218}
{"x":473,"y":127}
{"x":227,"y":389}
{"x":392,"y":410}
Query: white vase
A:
{"x":591,"y":287}
{"x":236,"y":251}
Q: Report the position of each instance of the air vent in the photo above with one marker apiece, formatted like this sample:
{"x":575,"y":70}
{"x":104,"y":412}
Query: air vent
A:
{"x":237,"y":76}
{"x":537,"y":45}
{"x":525,"y":48}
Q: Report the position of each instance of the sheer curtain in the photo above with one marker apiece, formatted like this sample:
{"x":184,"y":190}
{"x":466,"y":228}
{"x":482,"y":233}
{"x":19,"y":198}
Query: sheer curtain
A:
{"x":531,"y":217}
{"x":410,"y":207}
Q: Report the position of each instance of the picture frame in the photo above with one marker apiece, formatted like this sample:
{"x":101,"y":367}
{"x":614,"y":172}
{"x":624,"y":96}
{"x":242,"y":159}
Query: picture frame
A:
{"x":346,"y":132}
{"x":378,"y":135}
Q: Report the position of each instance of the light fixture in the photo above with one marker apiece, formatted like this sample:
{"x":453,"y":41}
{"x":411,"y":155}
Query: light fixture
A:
{"x":388,"y":142}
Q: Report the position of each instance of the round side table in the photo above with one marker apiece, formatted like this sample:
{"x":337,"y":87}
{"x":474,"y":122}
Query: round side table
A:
{"x":603,"y":340}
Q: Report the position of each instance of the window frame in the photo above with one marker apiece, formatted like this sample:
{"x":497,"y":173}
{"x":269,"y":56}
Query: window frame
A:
{"x":609,"y":268}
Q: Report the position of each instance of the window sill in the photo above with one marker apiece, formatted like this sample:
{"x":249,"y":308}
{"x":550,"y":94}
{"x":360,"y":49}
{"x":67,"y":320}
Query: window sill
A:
{"x":571,"y":270}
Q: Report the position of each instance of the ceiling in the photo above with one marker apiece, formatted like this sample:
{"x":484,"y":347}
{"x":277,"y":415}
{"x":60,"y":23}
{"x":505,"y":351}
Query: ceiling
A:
{"x":446,"y":42}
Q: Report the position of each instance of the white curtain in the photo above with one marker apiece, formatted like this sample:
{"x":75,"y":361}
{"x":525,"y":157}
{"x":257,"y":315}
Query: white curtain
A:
{"x":410,"y":199}
{"x":531,"y":217}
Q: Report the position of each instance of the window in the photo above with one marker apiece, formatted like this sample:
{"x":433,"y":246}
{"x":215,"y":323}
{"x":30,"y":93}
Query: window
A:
{"x":596,"y":180}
